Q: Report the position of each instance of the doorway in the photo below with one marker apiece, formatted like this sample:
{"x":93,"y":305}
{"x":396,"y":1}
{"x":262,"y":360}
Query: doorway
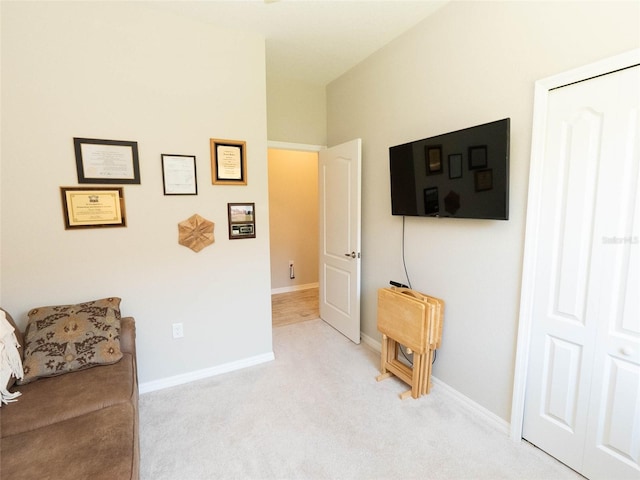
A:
{"x":293,"y":225}
{"x":337,"y":218}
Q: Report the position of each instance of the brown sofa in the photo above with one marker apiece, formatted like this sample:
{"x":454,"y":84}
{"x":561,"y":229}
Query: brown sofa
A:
{"x":79,"y":425}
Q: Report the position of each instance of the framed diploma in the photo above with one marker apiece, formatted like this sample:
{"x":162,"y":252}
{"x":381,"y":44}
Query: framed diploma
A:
{"x":228,"y":162}
{"x":93,"y":207}
{"x":179,"y":174}
{"x":106,"y":161}
{"x":242,"y":220}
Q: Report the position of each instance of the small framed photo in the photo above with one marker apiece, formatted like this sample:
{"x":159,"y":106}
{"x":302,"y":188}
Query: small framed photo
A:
{"x":433,"y":155}
{"x":242,"y":220}
{"x":455,"y":165}
{"x":106,"y":161}
{"x":93,"y":207}
{"x":483,"y":180}
{"x":179,"y":174}
{"x":228,"y":162}
{"x":477,"y":157}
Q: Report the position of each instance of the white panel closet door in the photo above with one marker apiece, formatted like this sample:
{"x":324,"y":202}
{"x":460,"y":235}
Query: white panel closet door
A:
{"x":583,"y":386}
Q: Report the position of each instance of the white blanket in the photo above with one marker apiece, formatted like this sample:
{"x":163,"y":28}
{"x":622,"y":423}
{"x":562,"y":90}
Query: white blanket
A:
{"x":10,"y":362}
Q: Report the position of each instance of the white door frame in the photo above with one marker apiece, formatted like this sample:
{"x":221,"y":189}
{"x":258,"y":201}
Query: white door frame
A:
{"x":296,"y":147}
{"x":302,"y":147}
{"x":541,"y":94}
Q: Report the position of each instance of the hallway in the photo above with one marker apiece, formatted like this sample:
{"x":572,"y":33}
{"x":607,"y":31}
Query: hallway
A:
{"x":293,"y":307}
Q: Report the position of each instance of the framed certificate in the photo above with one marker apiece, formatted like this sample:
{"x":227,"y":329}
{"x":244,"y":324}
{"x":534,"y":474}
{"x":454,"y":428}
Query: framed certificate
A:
{"x":93,"y":207}
{"x":228,"y":162}
{"x":179,"y":174}
{"x":106,"y":161}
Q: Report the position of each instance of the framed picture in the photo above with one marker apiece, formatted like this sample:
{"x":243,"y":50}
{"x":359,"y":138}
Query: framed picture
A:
{"x":477,"y":157}
{"x":455,"y":166}
{"x":484,"y":180}
{"x":93,"y":207}
{"x":228,"y":162}
{"x":242,"y":220}
{"x":179,"y":175}
{"x":433,"y":155}
{"x":106,"y":161}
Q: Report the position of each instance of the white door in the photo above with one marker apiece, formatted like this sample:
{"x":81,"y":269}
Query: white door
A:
{"x":339,"y":214}
{"x":582,"y":401}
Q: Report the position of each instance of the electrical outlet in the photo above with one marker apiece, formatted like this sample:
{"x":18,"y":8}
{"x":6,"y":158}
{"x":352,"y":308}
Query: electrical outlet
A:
{"x":178,"y":331}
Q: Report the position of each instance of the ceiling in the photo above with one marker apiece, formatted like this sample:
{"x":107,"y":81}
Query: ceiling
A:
{"x":313,"y":41}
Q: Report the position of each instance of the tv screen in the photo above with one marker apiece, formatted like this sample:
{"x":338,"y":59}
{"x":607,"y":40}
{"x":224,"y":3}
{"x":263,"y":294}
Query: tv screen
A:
{"x":461,"y":174}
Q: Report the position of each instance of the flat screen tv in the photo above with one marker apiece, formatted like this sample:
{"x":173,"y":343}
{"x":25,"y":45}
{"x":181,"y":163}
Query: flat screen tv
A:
{"x":461,"y":174}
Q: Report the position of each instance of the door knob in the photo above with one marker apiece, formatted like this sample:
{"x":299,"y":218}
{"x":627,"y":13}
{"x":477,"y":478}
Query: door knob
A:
{"x":626,"y":351}
{"x":352,"y":254}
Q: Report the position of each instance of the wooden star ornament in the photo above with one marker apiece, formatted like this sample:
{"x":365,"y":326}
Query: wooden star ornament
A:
{"x":195,"y":233}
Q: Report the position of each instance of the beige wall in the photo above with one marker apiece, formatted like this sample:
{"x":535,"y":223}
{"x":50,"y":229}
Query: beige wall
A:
{"x":117,"y":70}
{"x":297,"y":112}
{"x":293,"y":217}
{"x":472,"y":62}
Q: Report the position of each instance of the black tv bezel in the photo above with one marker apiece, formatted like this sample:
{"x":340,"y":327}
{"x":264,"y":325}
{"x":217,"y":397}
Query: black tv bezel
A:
{"x":468,"y":167}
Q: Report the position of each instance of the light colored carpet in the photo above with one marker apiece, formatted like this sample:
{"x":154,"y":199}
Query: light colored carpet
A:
{"x":317,"y":412}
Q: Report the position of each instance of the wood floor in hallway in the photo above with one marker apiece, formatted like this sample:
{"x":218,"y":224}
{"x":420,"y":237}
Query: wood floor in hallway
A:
{"x":293,"y":307}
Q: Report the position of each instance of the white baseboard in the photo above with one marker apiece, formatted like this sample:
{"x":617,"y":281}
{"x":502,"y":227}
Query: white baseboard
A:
{"x":204,"y":373}
{"x":367,"y":340}
{"x":294,"y":288}
{"x":474,"y":407}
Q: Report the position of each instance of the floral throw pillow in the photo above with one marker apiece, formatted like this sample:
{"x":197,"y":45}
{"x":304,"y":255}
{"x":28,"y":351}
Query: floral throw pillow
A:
{"x":65,"y":338}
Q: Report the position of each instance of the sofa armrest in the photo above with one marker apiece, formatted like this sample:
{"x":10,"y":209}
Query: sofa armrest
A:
{"x":128,"y":335}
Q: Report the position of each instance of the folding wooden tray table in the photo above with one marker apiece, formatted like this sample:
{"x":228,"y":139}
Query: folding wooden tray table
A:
{"x":414,"y":320}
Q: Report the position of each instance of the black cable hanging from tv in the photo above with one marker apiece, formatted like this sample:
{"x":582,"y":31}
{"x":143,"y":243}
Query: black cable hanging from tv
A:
{"x":404,"y":263}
